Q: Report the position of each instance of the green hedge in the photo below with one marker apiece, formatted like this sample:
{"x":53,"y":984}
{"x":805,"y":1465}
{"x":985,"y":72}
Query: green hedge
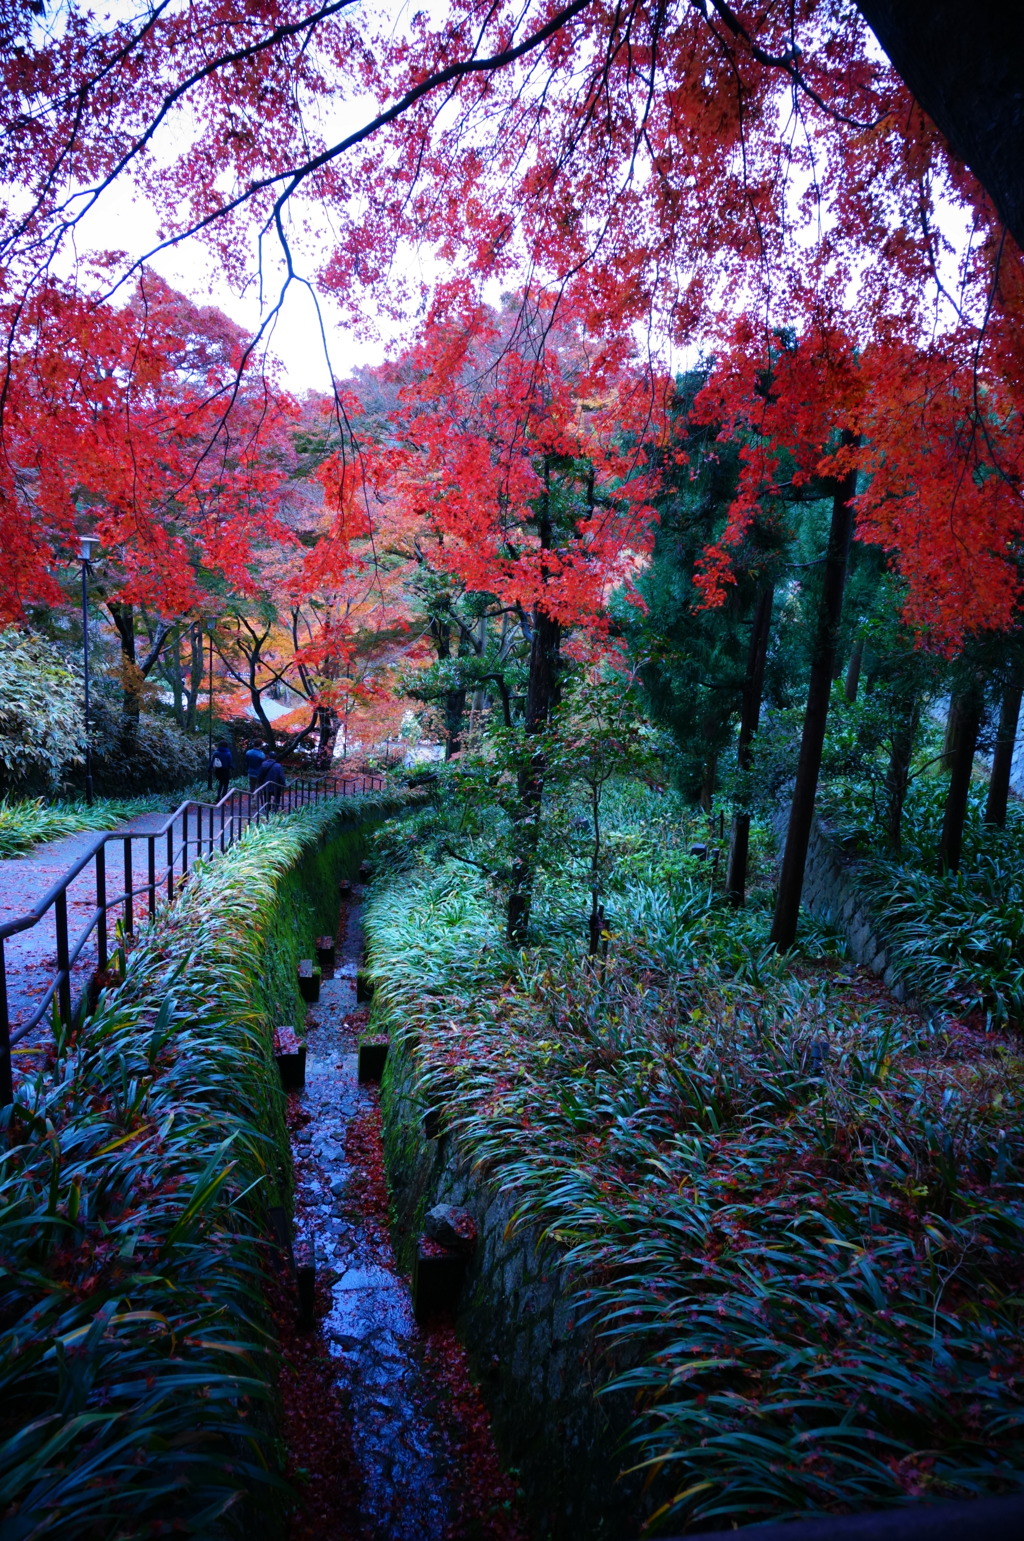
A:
{"x":135,"y":1363}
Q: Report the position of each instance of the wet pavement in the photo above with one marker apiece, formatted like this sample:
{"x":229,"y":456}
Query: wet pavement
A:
{"x":376,"y":1347}
{"x":31,"y":956}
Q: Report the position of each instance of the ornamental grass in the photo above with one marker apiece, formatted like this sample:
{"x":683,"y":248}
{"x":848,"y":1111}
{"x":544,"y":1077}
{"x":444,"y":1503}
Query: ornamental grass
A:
{"x":792,"y":1212}
{"x":135,"y":1362}
{"x":955,"y":940}
{"x":29,"y":822}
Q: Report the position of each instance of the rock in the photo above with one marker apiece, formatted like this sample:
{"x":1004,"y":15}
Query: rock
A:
{"x":451,"y":1227}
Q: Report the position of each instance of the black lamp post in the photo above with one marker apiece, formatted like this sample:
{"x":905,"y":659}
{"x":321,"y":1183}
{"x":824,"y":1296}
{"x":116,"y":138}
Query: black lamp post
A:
{"x":89,"y":547}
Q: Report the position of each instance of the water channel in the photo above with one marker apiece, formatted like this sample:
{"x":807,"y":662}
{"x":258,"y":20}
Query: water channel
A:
{"x":389,"y":1373}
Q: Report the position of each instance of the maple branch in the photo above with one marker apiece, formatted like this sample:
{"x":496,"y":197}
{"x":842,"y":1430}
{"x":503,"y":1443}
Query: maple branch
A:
{"x":299,"y":174}
{"x":787,"y":62}
{"x":280,"y":34}
{"x":292,"y":744}
{"x":164,"y":629}
{"x":446,"y":850}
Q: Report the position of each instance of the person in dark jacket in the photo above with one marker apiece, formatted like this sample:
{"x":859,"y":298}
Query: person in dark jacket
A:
{"x":272,"y":782}
{"x":254,"y":758}
{"x":223,"y":767}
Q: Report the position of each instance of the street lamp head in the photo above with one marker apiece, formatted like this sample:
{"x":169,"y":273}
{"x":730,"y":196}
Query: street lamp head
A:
{"x":90,"y":546}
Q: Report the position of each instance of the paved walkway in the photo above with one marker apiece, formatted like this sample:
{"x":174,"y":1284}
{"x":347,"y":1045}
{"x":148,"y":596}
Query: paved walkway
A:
{"x":31,"y":956}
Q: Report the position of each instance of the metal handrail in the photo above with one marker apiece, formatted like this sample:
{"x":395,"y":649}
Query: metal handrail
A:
{"x":234,"y":817}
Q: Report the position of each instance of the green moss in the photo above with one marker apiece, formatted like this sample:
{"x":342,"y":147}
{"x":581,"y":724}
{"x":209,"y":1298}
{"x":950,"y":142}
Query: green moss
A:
{"x":411,"y":1161}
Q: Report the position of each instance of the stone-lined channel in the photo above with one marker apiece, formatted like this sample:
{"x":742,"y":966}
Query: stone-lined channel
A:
{"x":413,"y":1419}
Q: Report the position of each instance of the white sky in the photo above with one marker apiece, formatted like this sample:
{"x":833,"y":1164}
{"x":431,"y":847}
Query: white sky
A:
{"x":123,"y":219}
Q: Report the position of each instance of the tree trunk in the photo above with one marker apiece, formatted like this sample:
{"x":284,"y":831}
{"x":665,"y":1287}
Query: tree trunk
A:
{"x":750,"y":714}
{"x":968,"y":723}
{"x":951,"y":734}
{"x":965,"y":66}
{"x":897,"y":774}
{"x":541,"y":699}
{"x":123,"y":616}
{"x":454,"y":711}
{"x":328,"y":723}
{"x":173,"y":674}
{"x":454,"y":700}
{"x":830,"y":609}
{"x":595,"y":920}
{"x":708,"y":781}
{"x":853,"y":671}
{"x":1002,"y":755}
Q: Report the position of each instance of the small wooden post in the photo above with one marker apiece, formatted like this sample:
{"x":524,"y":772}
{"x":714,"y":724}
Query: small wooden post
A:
{"x":305,"y":1278}
{"x":372,"y":1057}
{"x":309,"y":981}
{"x":290,"y":1058}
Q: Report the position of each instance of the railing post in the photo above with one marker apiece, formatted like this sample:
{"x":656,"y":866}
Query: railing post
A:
{"x":151,"y":843}
{"x":170,"y":861}
{"x":60,"y":912}
{"x":129,"y":884}
{"x":6,"y":1069}
{"x":101,"y":905}
{"x":184,"y":843}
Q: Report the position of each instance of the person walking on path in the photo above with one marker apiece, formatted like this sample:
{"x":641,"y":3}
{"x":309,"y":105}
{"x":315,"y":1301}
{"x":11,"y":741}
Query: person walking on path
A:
{"x":223,"y":767}
{"x":272,"y":782}
{"x":254,"y":758}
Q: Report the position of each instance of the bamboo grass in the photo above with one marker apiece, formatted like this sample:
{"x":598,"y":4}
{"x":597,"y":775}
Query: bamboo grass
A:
{"x":805,"y":1271}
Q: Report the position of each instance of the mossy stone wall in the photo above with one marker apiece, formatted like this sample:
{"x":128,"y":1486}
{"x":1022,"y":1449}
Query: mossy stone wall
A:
{"x":306,"y":906}
{"x":539,"y":1366}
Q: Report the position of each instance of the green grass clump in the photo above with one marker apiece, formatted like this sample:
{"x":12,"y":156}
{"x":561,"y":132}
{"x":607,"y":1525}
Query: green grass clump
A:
{"x":135,"y":1362}
{"x":956,"y":940}
{"x":29,"y":823}
{"x":794,"y":1214}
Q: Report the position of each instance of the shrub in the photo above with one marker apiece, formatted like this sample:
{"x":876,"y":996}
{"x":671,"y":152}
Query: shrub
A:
{"x":42,"y":725}
{"x":956,"y":941}
{"x":142,"y":755}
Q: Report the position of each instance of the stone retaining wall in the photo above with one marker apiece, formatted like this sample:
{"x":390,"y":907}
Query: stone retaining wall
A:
{"x":539,"y":1368}
{"x":831,"y":892}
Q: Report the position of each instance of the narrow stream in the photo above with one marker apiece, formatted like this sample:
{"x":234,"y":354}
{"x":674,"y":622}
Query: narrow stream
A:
{"x":387,"y":1380}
